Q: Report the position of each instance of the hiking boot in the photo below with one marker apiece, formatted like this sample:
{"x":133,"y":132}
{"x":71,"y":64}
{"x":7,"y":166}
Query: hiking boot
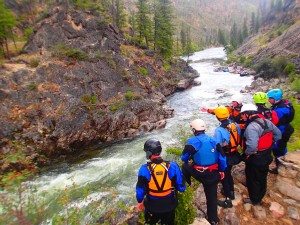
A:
{"x":226,"y":203}
{"x":248,"y":200}
{"x":214,"y":223}
{"x":231,"y":196}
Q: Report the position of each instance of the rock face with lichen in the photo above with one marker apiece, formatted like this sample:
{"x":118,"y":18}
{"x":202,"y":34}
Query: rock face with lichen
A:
{"x":79,"y":82}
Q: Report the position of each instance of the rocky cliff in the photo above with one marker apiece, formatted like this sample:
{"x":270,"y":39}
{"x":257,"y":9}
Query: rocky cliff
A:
{"x":278,"y":36}
{"x":79,"y":82}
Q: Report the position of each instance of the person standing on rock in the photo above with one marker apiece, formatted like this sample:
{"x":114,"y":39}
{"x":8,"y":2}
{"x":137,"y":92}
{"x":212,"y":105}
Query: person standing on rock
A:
{"x":258,"y":139}
{"x":227,"y":136}
{"x":260,"y":99}
{"x":206,"y":164}
{"x":158,"y":180}
{"x":285,"y":112}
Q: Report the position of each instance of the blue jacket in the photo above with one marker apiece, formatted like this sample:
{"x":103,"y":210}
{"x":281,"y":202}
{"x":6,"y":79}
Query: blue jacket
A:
{"x":202,"y":149}
{"x":282,"y":112}
{"x":222,"y":135}
{"x":144,"y":177}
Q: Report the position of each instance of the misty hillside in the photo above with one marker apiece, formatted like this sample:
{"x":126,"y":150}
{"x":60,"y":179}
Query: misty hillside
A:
{"x":278,"y":36}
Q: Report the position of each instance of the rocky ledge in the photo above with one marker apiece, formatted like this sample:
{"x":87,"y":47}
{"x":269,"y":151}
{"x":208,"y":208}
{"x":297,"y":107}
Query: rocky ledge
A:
{"x":70,"y":90}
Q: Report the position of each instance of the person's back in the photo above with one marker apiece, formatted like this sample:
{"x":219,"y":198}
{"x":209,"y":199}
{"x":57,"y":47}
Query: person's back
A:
{"x":206,"y":166}
{"x":259,"y":136}
{"x":260,"y":99}
{"x":285,"y":113}
{"x":227,"y":136}
{"x":157,"y":182}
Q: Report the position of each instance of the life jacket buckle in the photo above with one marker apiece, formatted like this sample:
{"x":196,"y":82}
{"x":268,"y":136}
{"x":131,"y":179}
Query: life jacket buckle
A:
{"x":200,"y":169}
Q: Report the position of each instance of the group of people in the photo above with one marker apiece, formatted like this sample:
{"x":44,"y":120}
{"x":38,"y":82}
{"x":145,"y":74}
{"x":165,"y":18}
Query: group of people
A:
{"x":247,"y":132}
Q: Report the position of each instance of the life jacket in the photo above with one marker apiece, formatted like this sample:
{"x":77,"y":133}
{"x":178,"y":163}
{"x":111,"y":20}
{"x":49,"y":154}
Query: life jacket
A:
{"x":160,"y":184}
{"x":268,"y":114}
{"x":234,"y":138}
{"x":265,"y":141}
{"x":287,"y":118}
{"x":206,"y":152}
{"x":235,"y":115}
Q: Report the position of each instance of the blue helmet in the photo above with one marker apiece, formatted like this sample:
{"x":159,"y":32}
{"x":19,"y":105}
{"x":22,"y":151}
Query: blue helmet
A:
{"x":275,"y":93}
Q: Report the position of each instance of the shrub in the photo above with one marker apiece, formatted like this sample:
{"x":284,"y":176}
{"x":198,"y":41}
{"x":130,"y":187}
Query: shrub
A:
{"x":167,"y":66}
{"x":89,"y":101}
{"x":292,"y":76}
{"x":247,"y":62}
{"x":113,"y":107}
{"x":279,"y":63}
{"x":76,"y":54}
{"x":294,"y":142}
{"x":28,"y":32}
{"x":155,"y":83}
{"x":32,"y":86}
{"x":231,"y":58}
{"x":242,"y":59}
{"x":143,"y":71}
{"x":129,"y":95}
{"x":296,"y":85}
{"x":62,"y":51}
{"x":267,"y":69}
{"x":289,"y":68}
{"x":34,"y":63}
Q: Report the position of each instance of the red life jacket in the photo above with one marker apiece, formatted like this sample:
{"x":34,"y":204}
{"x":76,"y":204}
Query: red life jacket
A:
{"x":266,"y":140}
{"x":270,"y":115}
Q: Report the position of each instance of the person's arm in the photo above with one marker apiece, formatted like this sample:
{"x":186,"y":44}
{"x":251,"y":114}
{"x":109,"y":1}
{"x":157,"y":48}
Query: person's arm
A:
{"x":218,"y":136}
{"x":222,"y":162}
{"x":187,"y":152}
{"x":252,"y":134}
{"x":143,"y":179}
{"x":175,"y":171}
{"x":276,"y":132}
{"x":275,"y":118}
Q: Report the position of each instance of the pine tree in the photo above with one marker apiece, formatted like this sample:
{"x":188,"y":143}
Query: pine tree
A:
{"x":120,"y":14}
{"x":183,"y":37}
{"x":143,"y":21}
{"x":234,"y":40}
{"x":221,"y":37}
{"x":252,"y":23}
{"x":163,"y":27}
{"x":7,"y":22}
{"x":245,"y":29}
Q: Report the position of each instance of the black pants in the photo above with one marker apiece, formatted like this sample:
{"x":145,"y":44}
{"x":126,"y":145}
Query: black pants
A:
{"x":280,"y":147}
{"x":165,"y":218}
{"x":256,"y":179}
{"x":227,"y":182}
{"x":210,"y":180}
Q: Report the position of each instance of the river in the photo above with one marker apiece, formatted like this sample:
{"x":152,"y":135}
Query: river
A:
{"x":111,"y":172}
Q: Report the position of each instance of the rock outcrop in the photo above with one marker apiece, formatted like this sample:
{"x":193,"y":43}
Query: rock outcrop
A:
{"x":79,"y":83}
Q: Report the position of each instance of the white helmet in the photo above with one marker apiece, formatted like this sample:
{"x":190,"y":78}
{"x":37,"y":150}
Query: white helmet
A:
{"x":249,"y":108}
{"x":198,"y":124}
{"x":237,"y":98}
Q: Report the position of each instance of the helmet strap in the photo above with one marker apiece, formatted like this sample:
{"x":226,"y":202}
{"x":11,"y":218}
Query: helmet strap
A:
{"x":152,"y":157}
{"x":148,"y":154}
{"x":197,"y":132}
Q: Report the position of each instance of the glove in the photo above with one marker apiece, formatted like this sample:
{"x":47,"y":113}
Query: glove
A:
{"x":222,"y":174}
{"x":203,"y":109}
{"x":140,"y":206}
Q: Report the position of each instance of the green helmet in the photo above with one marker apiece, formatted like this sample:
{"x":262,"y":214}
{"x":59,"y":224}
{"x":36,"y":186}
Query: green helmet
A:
{"x":260,"y":98}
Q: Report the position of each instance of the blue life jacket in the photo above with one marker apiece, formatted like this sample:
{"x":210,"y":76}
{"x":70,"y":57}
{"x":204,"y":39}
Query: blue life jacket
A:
{"x":206,"y":152}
